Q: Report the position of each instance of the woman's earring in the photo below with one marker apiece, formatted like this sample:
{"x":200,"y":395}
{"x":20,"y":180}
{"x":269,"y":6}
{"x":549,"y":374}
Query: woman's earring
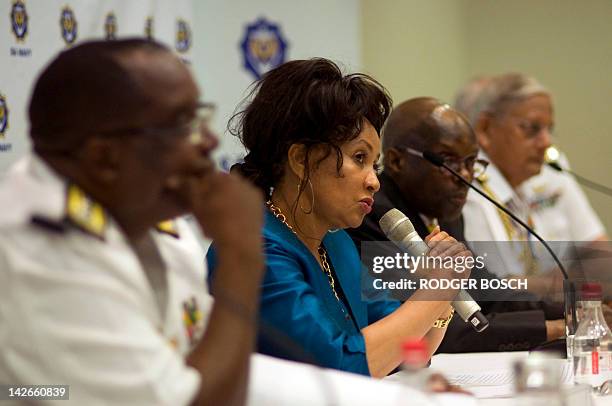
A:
{"x":312,"y":199}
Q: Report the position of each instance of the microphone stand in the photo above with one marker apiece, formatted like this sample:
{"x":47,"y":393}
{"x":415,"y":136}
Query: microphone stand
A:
{"x":569,"y":289}
{"x":582,"y":180}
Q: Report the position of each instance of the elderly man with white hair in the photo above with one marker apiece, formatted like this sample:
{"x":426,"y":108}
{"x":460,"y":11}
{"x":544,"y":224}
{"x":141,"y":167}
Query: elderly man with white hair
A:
{"x":512,"y":115}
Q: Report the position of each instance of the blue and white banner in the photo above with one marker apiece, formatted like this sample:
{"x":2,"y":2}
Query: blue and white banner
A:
{"x":39,"y":29}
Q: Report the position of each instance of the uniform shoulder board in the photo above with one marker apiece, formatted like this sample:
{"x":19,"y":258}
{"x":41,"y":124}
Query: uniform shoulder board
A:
{"x":84,"y":212}
{"x":168,"y":227}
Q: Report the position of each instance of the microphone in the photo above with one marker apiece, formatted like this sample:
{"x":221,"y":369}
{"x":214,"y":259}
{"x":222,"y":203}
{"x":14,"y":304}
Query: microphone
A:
{"x":568,"y":287}
{"x":552,"y":160}
{"x":399,"y":229}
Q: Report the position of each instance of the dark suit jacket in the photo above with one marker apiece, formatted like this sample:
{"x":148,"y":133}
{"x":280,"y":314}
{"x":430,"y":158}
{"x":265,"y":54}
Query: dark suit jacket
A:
{"x":514,"y":325}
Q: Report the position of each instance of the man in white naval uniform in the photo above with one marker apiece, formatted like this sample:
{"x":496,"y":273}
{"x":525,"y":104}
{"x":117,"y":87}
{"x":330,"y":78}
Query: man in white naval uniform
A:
{"x":512,"y":115}
{"x":100,"y":289}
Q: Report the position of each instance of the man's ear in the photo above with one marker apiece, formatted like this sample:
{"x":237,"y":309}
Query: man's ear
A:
{"x":101,"y":158}
{"x":296,"y":159}
{"x":393,"y":161}
{"x":482,"y":129}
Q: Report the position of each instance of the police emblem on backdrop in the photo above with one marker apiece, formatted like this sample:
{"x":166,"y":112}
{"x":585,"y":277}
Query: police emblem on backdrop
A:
{"x":110,"y":26}
{"x":183,"y":36}
{"x":4,"y":112}
{"x":263,"y":47}
{"x":149,"y":28}
{"x":19,"y":20}
{"x":68,"y":25}
{"x":192,"y":318}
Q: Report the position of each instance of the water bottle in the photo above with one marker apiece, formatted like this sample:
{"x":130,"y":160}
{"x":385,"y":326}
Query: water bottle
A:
{"x":415,"y":373}
{"x":592,"y":347}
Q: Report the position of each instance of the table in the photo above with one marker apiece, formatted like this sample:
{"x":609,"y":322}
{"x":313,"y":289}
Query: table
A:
{"x":479,"y":363}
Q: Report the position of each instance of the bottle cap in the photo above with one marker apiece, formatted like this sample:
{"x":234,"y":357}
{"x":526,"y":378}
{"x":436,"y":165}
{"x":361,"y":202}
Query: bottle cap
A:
{"x":591,"y":291}
{"x":414,"y":352}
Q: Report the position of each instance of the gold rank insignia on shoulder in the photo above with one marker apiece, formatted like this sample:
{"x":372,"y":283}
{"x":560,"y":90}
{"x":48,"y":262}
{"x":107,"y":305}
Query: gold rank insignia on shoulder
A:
{"x":168,"y":227}
{"x":84,"y":212}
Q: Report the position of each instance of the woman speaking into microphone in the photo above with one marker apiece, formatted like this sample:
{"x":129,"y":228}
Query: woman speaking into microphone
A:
{"x":312,"y":136}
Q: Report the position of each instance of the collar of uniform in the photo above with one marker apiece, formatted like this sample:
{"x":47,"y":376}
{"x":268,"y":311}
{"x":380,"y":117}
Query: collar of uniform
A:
{"x":498,"y":183}
{"x":62,"y":201}
{"x":84,"y":212}
{"x":168,"y":227}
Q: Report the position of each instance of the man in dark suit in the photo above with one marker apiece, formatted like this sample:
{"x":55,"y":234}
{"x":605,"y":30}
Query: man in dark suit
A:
{"x":430,"y":196}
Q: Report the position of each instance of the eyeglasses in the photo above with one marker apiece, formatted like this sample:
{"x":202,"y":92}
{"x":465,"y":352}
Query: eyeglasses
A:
{"x":195,"y":128}
{"x":532,"y":129}
{"x":475,"y":166}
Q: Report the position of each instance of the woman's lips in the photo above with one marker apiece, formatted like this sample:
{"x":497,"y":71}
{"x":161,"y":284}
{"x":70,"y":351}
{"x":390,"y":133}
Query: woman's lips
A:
{"x":366,"y":205}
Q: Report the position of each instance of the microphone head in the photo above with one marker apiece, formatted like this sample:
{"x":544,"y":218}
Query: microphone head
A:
{"x":551,"y":157}
{"x":396,"y":225}
{"x":552,"y":154}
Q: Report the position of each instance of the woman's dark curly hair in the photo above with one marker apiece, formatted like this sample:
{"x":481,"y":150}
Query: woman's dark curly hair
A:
{"x":305,"y":102}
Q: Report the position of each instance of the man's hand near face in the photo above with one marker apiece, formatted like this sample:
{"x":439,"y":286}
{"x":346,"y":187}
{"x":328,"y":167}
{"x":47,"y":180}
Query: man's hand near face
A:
{"x":230,"y":211}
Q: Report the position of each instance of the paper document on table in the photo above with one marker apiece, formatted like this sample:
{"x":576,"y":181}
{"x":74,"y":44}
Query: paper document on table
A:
{"x":491,"y":378}
{"x":501,"y":382}
{"x":501,"y":377}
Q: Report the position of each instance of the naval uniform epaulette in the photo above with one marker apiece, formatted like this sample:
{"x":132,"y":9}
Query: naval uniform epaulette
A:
{"x":168,"y":227}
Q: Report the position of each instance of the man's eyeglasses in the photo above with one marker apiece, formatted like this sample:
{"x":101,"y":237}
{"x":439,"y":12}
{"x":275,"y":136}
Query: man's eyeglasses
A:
{"x":195,"y":128}
{"x":532,"y":129}
{"x":475,"y":166}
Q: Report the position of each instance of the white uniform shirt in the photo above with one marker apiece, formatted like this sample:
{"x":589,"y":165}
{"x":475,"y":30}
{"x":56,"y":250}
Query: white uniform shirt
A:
{"x":79,"y":310}
{"x":551,"y":201}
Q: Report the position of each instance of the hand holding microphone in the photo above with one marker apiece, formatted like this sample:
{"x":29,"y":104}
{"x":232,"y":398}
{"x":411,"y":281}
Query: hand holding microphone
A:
{"x":441,"y":244}
{"x":398,"y":228}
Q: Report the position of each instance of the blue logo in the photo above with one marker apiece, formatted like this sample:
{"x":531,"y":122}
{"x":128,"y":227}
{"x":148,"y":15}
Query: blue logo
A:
{"x":263,"y":47}
{"x":3,"y":116}
{"x":19,"y":20}
{"x":110,"y":26}
{"x":183,"y":36}
{"x":68,"y":25}
{"x":149,"y":28}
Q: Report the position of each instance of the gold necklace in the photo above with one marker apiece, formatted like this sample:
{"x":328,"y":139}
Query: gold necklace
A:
{"x":276,"y":211}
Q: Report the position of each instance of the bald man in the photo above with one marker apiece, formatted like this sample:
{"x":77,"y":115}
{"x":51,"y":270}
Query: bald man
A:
{"x":431,"y":196}
{"x":103,"y":284}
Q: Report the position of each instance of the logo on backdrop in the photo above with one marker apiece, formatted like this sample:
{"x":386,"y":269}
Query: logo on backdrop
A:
{"x":19,"y":20}
{"x":19,"y":26}
{"x":110,"y":26}
{"x":183,"y":36}
{"x":148,"y":31}
{"x":4,"y":124}
{"x":68,"y":25}
{"x":4,"y":112}
{"x":263,"y":47}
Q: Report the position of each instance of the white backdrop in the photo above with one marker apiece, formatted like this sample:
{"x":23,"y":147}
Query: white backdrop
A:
{"x":310,"y":28}
{"x":21,"y":59}
{"x":217,"y":27}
